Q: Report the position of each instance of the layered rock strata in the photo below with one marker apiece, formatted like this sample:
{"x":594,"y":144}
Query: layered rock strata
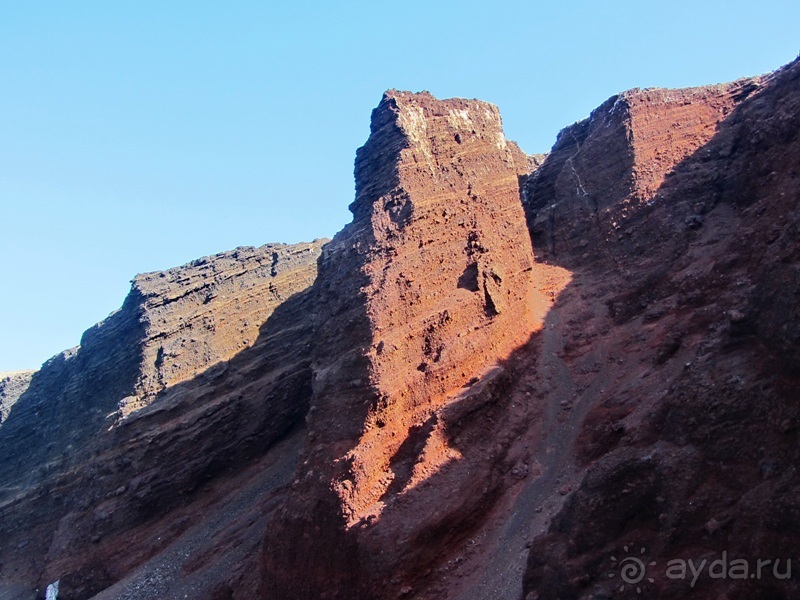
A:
{"x":428,"y":287}
{"x":604,"y":169}
{"x":689,"y":454}
{"x":477,"y":425}
{"x":199,"y":373}
{"x":211,"y":309}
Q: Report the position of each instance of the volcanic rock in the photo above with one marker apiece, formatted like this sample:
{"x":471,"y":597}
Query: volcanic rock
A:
{"x":700,"y":461}
{"x":12,"y":385}
{"x":428,"y":287}
{"x":109,"y":437}
{"x":602,"y":170}
{"x":211,"y":309}
{"x":422,"y":410}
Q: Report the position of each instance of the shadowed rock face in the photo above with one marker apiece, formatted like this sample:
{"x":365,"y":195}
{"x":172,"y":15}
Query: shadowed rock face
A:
{"x":603,"y":169}
{"x":425,"y":411}
{"x":172,"y":326}
{"x":203,"y":366}
{"x":67,"y":401}
{"x":692,"y":453}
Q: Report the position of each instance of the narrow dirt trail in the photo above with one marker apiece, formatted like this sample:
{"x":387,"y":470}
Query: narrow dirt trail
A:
{"x":567,"y":395}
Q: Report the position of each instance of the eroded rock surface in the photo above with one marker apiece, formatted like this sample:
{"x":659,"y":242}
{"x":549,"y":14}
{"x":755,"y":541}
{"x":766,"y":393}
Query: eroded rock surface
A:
{"x":428,"y":287}
{"x":211,"y":309}
{"x":112,"y":438}
{"x":603,"y":170}
{"x":12,"y":385}
{"x":689,"y":451}
{"x":439,"y":415}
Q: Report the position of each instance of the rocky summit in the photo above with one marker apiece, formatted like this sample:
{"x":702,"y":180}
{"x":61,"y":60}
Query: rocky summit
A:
{"x":506,"y":377}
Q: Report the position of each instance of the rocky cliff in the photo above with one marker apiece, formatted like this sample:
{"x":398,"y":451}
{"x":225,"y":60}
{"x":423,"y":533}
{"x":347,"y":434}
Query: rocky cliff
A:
{"x":89,"y":436}
{"x":12,"y":385}
{"x":426,"y":290}
{"x":688,"y":452}
{"x":603,"y":169}
{"x":503,"y":378}
{"x":205,"y":312}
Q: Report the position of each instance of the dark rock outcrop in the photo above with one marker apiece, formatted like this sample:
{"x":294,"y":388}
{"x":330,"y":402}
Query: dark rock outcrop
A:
{"x":691,"y":453}
{"x":12,"y":385}
{"x":107,"y":439}
{"x":211,"y":309}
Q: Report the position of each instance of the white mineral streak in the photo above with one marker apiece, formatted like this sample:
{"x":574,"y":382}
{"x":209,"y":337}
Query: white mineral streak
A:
{"x":52,"y":591}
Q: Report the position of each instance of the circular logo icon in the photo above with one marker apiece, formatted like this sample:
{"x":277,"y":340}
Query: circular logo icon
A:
{"x":632,"y":570}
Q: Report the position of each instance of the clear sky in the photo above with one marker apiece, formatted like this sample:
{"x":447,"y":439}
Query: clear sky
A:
{"x":136,"y":136}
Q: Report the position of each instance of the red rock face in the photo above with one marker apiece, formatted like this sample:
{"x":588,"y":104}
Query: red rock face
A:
{"x":477,"y":424}
{"x":448,"y":280}
{"x":428,"y":287}
{"x":602,"y":170}
{"x":687,"y":451}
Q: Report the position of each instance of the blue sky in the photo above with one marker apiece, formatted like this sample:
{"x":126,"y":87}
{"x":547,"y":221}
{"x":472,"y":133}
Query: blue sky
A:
{"x":136,"y":136}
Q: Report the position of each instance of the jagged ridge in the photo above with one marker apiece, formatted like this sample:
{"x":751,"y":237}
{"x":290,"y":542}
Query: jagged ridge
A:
{"x":478,"y":425}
